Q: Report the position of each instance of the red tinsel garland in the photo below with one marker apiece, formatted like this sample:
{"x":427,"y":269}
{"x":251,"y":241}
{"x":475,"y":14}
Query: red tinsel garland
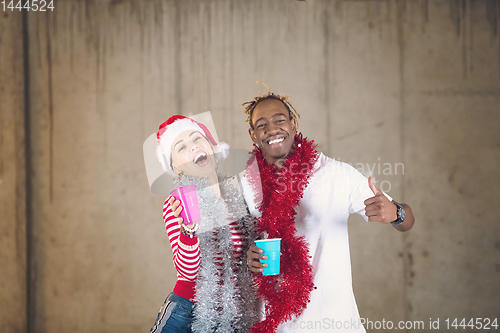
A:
{"x":286,"y":295}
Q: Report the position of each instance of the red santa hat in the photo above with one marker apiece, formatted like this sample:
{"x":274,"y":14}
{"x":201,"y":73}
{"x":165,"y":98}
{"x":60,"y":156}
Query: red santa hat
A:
{"x":170,"y":129}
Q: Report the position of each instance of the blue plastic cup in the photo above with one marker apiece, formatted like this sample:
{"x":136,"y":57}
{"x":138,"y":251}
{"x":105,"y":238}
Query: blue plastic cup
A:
{"x":272,"y":249}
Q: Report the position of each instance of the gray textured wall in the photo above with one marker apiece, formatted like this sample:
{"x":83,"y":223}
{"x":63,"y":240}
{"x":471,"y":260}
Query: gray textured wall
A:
{"x":377,"y":83}
{"x":13,"y":283}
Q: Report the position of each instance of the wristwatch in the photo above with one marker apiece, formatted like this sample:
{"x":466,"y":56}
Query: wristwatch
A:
{"x":401,"y":214}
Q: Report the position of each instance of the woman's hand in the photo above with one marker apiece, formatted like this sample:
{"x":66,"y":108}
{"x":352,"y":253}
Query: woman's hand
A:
{"x":254,"y":254}
{"x":176,"y":209}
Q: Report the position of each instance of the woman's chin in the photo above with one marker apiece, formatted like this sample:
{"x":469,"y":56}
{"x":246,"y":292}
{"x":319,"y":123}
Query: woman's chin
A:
{"x":201,"y":171}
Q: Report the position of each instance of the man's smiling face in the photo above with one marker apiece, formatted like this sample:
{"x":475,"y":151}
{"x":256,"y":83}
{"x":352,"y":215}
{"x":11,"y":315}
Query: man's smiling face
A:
{"x":273,"y":130}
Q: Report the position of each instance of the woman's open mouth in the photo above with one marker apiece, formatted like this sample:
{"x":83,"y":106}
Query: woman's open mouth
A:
{"x":201,"y":159}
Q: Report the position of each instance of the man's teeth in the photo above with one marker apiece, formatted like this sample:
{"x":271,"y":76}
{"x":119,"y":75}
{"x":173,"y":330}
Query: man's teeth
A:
{"x":276,"y":141}
{"x":196,"y":159}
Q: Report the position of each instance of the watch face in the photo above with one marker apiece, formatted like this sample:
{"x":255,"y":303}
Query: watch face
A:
{"x":402,"y":214}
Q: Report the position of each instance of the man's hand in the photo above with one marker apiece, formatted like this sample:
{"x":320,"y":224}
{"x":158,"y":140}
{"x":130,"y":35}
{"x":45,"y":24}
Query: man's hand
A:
{"x":254,"y":254}
{"x":379,"y":208}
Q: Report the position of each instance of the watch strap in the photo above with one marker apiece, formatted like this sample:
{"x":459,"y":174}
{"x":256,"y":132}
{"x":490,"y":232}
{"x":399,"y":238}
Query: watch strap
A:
{"x":398,"y":221}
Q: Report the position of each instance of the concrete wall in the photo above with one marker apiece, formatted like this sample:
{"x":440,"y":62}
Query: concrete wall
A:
{"x":378,"y":83}
{"x":13,"y":273}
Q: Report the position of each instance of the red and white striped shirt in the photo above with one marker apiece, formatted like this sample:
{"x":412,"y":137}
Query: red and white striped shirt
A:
{"x":186,"y":260}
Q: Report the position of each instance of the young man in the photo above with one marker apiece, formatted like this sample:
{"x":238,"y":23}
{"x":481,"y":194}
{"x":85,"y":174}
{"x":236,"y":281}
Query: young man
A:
{"x":305,"y":198}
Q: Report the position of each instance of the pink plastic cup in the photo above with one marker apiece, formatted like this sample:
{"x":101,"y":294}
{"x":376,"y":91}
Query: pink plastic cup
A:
{"x":189,"y":201}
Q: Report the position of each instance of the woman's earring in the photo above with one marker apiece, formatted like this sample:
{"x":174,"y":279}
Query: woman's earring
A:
{"x":180,"y":173}
{"x":176,"y":169}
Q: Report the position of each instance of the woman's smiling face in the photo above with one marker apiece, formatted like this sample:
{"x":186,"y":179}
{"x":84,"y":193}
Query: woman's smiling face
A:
{"x":192,"y":154}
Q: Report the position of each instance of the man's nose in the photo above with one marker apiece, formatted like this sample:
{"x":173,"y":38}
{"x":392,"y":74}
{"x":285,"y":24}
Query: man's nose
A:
{"x":272,"y":128}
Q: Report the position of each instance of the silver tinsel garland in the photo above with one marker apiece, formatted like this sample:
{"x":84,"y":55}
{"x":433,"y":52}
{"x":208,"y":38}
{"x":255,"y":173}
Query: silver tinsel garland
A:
{"x":225,"y":296}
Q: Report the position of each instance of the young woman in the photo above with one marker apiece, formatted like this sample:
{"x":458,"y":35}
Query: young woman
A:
{"x":214,"y":290}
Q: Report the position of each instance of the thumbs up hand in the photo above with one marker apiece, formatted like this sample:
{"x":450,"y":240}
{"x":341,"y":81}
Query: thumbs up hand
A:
{"x":379,"y":208}
{"x":374,"y":188}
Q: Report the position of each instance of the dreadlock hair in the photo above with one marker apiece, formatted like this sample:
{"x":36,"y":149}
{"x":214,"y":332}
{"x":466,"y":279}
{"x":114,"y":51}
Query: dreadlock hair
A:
{"x":250,"y":105}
